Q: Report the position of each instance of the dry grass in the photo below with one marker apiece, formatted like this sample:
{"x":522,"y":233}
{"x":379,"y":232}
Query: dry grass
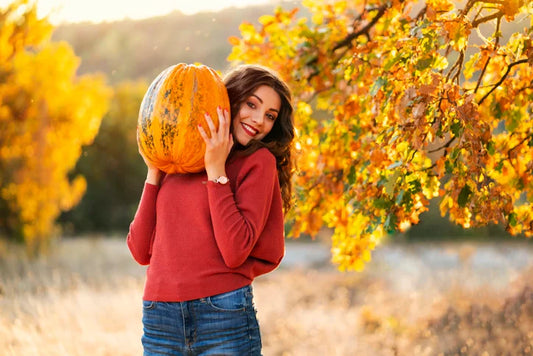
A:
{"x":463,"y":299}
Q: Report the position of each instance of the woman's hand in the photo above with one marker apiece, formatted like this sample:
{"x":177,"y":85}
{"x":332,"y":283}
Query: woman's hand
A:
{"x":218,"y":146}
{"x":154,"y":174}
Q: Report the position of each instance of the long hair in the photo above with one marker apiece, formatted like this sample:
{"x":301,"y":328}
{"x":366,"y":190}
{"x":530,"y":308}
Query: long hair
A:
{"x":241,"y":83}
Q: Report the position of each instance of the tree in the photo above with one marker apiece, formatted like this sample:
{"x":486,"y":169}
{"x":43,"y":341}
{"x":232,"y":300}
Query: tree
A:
{"x":416,"y":101}
{"x":112,"y":166}
{"x":46,"y":115}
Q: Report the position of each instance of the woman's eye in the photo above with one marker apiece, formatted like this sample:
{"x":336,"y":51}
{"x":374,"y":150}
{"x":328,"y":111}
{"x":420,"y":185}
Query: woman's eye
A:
{"x":251,"y":105}
{"x":271,"y":117}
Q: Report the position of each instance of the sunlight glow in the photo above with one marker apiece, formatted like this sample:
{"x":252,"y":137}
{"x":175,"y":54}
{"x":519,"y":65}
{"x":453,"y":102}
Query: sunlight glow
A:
{"x":61,"y":11}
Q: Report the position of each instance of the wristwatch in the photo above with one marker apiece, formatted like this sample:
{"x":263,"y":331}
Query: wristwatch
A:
{"x":221,"y":180}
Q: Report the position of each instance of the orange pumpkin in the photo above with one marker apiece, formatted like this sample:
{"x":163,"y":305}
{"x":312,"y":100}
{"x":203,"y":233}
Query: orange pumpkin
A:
{"x":172,"y":108}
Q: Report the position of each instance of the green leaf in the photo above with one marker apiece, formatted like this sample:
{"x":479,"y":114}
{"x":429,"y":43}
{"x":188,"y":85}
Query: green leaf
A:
{"x":390,"y":185}
{"x":491,"y":149}
{"x":351,"y":175}
{"x":390,"y":223}
{"x":381,"y":81}
{"x":455,"y":153}
{"x":391,"y":62}
{"x":399,"y":197}
{"x":513,"y":121}
{"x":424,"y":63}
{"x":407,"y":201}
{"x":456,"y":128}
{"x":464,"y":196}
{"x":382,"y":203}
{"x":497,"y":110}
{"x":448,"y":166}
{"x":511,"y":218}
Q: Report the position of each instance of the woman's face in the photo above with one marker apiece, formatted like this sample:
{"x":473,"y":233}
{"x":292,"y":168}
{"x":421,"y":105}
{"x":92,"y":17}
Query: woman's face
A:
{"x":256,"y":115}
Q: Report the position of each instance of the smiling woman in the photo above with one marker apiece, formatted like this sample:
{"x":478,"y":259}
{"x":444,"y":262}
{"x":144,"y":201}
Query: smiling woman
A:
{"x":61,"y":11}
{"x":226,"y":227}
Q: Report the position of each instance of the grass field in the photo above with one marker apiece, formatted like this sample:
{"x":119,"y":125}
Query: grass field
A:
{"x":84,"y":298}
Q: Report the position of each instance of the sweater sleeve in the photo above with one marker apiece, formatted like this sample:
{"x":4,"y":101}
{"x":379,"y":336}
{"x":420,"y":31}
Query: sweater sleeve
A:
{"x":142,"y":228}
{"x":239,"y":217}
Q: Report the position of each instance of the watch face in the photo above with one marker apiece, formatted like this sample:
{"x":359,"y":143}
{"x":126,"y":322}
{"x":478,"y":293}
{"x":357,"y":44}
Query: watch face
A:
{"x":222,"y":180}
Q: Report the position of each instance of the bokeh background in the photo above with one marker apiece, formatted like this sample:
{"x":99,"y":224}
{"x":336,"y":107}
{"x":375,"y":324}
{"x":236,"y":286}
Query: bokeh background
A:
{"x":435,"y":289}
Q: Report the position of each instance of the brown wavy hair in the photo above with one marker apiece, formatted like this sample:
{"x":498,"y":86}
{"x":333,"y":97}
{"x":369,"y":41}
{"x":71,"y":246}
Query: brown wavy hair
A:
{"x":241,"y":83}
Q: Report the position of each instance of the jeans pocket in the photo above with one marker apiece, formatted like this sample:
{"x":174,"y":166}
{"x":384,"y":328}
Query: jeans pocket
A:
{"x":148,"y":304}
{"x":234,"y":301}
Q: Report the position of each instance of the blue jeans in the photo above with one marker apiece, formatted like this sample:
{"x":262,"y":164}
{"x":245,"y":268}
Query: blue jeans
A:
{"x":224,"y":324}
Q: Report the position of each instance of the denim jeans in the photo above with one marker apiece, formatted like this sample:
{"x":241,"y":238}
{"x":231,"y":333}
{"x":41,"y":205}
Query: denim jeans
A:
{"x":224,"y":324}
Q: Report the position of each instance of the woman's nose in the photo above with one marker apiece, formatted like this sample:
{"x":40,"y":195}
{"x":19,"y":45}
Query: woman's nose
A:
{"x":258,"y":119}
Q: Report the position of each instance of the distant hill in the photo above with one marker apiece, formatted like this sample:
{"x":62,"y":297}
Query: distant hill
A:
{"x":133,"y":49}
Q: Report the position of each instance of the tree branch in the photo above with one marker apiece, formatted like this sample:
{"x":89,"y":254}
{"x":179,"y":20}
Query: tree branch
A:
{"x":493,"y":16}
{"x":496,"y":44}
{"x":446,"y":145}
{"x":502,"y":79}
{"x":364,"y":31}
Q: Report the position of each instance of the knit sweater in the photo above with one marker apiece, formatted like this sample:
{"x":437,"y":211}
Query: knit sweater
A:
{"x":202,"y":238}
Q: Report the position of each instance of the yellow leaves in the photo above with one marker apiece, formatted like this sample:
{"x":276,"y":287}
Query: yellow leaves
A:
{"x":318,"y":18}
{"x":457,"y":32}
{"x":302,"y":113}
{"x":389,"y":116}
{"x":340,"y":6}
{"x":436,"y":7}
{"x":510,"y":8}
{"x":46,"y":114}
{"x":249,"y":34}
{"x":351,"y":246}
{"x":266,"y":20}
{"x":234,"y":41}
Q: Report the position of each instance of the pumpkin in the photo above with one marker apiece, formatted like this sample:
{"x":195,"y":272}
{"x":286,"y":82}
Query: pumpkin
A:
{"x":171,"y":110}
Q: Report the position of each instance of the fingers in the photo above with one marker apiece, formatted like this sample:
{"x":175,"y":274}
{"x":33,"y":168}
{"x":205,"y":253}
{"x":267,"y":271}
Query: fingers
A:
{"x":225,"y":121}
{"x":210,"y":124}
{"x":230,"y":145}
{"x":223,"y":132}
{"x":203,"y":134}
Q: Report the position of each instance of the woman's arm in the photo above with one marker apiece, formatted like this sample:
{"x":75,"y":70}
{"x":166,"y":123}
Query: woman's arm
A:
{"x":239,"y":217}
{"x":142,"y":229}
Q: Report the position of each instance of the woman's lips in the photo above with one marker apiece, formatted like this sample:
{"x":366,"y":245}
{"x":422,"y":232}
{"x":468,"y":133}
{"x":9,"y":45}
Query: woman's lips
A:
{"x":249,"y":129}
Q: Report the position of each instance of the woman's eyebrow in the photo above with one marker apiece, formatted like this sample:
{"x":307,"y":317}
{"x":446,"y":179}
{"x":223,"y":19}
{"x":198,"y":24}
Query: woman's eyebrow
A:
{"x":258,"y":98}
{"x":261,"y":100}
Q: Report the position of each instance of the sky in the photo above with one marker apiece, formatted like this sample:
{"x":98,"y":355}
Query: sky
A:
{"x":109,"y":10}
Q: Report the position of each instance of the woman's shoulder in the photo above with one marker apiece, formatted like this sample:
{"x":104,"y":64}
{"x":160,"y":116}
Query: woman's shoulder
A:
{"x":264,"y":154}
{"x":262,"y":157}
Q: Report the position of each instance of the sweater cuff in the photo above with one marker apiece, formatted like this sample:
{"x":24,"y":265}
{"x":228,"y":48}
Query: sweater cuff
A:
{"x":151,"y":185}
{"x":212,"y":185}
{"x":150,"y":189}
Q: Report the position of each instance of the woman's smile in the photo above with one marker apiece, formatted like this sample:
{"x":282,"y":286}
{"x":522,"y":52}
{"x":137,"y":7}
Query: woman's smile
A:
{"x":257,"y":115}
{"x":249,"y":129}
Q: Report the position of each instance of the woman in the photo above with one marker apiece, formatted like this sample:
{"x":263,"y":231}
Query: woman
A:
{"x":206,"y":236}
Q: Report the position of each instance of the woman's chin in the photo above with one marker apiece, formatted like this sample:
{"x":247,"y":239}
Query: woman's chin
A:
{"x":243,"y":141}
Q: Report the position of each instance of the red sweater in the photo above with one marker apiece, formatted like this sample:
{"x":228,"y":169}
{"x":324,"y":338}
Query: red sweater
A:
{"x":201,"y":238}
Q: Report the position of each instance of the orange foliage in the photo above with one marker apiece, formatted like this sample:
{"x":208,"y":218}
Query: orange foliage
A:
{"x":398,"y":104}
{"x":46,"y":115}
